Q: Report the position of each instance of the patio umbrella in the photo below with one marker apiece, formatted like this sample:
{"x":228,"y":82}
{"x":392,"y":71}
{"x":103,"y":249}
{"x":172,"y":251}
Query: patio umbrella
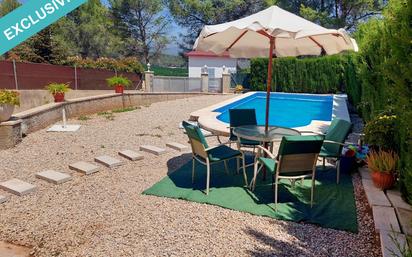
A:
{"x":272,"y":32}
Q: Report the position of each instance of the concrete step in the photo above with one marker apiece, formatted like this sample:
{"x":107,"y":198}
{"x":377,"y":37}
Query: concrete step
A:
{"x":84,"y":167}
{"x":3,"y":199}
{"x":17,"y":187}
{"x":108,"y":161}
{"x":152,"y":149}
{"x":177,"y":146}
{"x":375,"y":196}
{"x":131,"y":155}
{"x":54,"y":177}
{"x":385,"y":219}
{"x":392,"y":243}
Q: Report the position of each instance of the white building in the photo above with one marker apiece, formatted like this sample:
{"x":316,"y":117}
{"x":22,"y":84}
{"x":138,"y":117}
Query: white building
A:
{"x":214,"y":63}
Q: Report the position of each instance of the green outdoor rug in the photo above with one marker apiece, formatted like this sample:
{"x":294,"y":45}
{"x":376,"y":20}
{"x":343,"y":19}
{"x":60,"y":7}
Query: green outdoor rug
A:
{"x":334,"y":205}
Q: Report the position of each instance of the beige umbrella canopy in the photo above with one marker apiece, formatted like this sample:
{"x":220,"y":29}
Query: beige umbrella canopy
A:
{"x":270,"y":32}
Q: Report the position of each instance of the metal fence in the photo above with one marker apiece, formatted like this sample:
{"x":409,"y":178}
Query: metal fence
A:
{"x":16,"y":75}
{"x":176,"y":84}
{"x":215,"y":85}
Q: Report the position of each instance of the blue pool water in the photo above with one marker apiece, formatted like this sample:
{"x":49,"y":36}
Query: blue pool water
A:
{"x":286,"y":110}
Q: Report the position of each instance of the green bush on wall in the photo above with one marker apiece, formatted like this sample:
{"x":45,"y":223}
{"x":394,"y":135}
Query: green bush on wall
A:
{"x":328,"y":74}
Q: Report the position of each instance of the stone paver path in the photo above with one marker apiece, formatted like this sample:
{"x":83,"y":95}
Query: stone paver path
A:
{"x":54,"y":177}
{"x":3,"y":199}
{"x":84,"y":167}
{"x":177,"y":146}
{"x":131,"y":155}
{"x":385,"y":219}
{"x":17,"y":187}
{"x":152,"y":149}
{"x":108,"y":161}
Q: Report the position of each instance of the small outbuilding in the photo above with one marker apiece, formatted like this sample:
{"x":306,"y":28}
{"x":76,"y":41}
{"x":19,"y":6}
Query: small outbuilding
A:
{"x":214,"y":63}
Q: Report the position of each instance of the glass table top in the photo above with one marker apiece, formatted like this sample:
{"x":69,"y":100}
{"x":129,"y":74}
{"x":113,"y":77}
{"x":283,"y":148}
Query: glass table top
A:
{"x":258,"y":133}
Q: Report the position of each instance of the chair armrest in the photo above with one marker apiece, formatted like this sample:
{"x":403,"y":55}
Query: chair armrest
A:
{"x":333,"y":142}
{"x":271,"y":155}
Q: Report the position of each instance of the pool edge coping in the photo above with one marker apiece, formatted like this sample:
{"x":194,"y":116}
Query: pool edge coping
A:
{"x":207,"y":117}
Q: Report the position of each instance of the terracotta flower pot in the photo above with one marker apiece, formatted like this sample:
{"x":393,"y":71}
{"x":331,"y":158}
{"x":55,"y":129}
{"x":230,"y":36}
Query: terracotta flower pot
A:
{"x":6,"y":110}
{"x":119,"y":89}
{"x":383,"y":180}
{"x":58,"y":97}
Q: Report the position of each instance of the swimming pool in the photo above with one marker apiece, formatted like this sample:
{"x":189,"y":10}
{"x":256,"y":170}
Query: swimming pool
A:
{"x":304,"y":112}
{"x":286,"y":110}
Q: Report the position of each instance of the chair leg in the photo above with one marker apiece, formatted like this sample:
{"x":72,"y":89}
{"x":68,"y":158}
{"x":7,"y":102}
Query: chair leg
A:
{"x":244,"y":169}
{"x":193,"y":170}
{"x":237,"y":165}
{"x":256,"y":171}
{"x":226,"y":168}
{"x":337,"y":171}
{"x":323,"y":163}
{"x":207,"y":176}
{"x":312,"y":191}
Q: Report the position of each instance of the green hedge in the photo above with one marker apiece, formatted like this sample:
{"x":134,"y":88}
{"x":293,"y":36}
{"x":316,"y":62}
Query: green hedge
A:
{"x":328,"y":74}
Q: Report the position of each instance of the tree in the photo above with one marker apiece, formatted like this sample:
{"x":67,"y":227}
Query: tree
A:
{"x":340,"y":13}
{"x":142,"y":25}
{"x":7,"y":6}
{"x":89,"y":31}
{"x":194,"y":14}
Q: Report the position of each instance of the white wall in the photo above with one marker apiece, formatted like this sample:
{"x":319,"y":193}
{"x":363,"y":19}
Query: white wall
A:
{"x":196,"y":63}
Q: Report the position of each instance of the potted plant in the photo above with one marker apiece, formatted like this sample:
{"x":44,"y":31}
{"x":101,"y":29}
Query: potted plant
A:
{"x":8,"y":99}
{"x":383,"y":165}
{"x":119,"y":83}
{"x":58,"y":90}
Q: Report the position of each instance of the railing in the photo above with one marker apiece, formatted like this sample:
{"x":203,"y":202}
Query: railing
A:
{"x":176,"y":84}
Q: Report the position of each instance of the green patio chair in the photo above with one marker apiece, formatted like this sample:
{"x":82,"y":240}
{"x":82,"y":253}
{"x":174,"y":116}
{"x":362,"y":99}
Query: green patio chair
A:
{"x":206,"y":155}
{"x":334,"y":142}
{"x":296,"y":159}
{"x":242,"y":117}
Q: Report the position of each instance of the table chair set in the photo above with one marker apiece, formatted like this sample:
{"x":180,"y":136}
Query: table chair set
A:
{"x":296,"y":158}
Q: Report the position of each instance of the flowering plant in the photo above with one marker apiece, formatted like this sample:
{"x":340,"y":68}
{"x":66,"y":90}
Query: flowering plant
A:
{"x":380,"y":132}
{"x":9,"y":97}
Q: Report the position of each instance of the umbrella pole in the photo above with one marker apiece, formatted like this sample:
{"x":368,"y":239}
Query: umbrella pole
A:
{"x":268,"y":90}
{"x":269,"y":82}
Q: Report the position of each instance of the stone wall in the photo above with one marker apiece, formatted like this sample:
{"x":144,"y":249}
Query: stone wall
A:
{"x":40,"y":117}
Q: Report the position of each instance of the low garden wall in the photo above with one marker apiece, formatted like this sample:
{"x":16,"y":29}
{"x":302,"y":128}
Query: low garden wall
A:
{"x":23,"y":123}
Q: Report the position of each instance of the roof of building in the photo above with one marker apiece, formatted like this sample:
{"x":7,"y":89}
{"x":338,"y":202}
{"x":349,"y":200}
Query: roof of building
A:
{"x":206,"y":54}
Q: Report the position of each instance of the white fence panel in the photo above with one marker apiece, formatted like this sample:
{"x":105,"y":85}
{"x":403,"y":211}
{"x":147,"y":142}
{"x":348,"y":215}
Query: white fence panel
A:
{"x":176,"y":84}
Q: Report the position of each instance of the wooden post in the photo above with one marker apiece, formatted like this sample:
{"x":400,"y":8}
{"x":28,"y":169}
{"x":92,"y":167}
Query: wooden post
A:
{"x":269,"y":82}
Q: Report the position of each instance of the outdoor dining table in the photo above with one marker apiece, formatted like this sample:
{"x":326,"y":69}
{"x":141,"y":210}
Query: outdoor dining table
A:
{"x":258,"y":133}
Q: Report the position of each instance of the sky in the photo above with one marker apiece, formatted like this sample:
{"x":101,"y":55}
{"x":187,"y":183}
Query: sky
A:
{"x":175,"y":30}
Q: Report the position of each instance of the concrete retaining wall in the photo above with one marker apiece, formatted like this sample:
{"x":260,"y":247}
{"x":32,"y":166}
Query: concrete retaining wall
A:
{"x":37,"y":118}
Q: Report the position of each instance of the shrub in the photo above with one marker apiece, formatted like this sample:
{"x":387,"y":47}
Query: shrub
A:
{"x":9,"y":97}
{"x":382,"y":161}
{"x":380,"y":132}
{"x":118,"y":80}
{"x":55,"y":88}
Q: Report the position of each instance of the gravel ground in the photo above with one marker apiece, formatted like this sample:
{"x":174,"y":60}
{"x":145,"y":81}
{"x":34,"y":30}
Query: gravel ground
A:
{"x":105,"y":214}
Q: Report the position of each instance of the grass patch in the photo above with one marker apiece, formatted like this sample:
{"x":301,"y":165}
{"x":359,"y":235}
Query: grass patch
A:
{"x":149,"y":135}
{"x":103,"y":113}
{"x":127,"y":109}
{"x":84,"y":118}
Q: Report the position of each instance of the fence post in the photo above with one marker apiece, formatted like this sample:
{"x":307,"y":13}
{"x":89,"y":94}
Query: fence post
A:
{"x":204,"y":80}
{"x":75,"y":77}
{"x":148,"y":80}
{"x":115,"y":72}
{"x":225,"y":80}
{"x":15,"y":75}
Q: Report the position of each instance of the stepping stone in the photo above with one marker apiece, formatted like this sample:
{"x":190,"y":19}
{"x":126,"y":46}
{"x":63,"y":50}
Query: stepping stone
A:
{"x":390,"y":243}
{"x":177,"y":146}
{"x":133,"y":156}
{"x":385,"y":219}
{"x":405,"y":220}
{"x":3,"y":199}
{"x":152,"y":149}
{"x":84,"y":167}
{"x":17,"y":187}
{"x":364,"y":172}
{"x":396,"y":199}
{"x":53,"y":176}
{"x":108,"y":161}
